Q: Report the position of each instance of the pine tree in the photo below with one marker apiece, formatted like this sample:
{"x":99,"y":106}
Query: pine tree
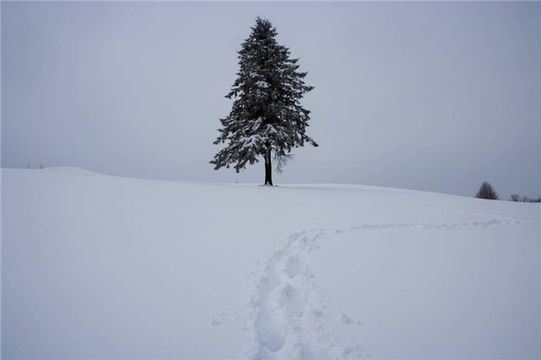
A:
{"x":266,"y":118}
{"x":487,"y":192}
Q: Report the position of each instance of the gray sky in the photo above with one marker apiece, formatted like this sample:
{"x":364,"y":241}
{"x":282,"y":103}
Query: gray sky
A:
{"x":430,"y":96}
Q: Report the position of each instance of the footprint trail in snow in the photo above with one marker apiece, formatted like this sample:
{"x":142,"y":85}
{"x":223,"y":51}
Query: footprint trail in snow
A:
{"x":288,"y":315}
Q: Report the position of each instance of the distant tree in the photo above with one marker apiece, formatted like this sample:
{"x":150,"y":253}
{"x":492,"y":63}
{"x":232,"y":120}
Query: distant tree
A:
{"x":267,"y":117}
{"x":487,"y":192}
{"x":518,"y":198}
{"x":531,"y":200}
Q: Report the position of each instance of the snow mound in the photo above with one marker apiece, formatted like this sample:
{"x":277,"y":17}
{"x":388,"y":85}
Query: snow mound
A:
{"x":70,"y":170}
{"x":110,"y":267}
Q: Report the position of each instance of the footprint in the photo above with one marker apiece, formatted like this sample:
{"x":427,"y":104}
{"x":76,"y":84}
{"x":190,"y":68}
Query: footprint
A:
{"x":293,"y":266}
{"x":345,"y":319}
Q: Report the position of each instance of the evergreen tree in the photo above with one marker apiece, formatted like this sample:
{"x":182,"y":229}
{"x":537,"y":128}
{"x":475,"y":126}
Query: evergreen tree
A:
{"x":487,"y":192}
{"x":267,"y":117}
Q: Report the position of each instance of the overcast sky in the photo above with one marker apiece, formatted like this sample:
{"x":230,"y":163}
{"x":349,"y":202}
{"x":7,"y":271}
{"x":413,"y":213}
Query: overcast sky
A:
{"x":430,"y":96}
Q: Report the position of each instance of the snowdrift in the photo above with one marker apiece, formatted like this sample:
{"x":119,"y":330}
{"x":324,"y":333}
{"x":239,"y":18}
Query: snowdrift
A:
{"x":95,"y":266}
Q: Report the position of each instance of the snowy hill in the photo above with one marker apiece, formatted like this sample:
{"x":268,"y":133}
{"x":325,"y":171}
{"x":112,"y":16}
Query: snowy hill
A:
{"x":95,"y":266}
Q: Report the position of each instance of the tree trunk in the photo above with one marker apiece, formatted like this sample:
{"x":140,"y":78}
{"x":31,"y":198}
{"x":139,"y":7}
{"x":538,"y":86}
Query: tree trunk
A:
{"x":268,"y":168}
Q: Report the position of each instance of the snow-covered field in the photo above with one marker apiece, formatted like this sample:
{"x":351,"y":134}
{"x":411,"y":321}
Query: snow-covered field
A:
{"x":95,"y":266}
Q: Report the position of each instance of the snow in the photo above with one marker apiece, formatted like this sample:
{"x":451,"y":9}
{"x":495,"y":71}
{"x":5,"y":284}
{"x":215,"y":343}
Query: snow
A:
{"x":96,"y":266}
{"x":262,"y":84}
{"x":251,"y":140}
